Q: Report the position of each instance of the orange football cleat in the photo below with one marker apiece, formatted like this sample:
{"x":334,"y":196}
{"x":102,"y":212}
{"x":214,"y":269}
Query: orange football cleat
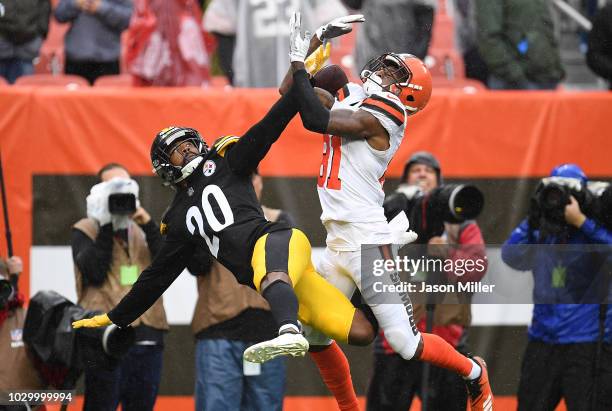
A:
{"x":479,"y":389}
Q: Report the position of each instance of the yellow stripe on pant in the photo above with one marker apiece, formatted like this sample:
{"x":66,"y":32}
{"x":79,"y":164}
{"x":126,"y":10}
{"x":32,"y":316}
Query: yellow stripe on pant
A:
{"x":322,"y":306}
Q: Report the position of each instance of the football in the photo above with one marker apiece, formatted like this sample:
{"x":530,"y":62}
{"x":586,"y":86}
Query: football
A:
{"x":330,"y":78}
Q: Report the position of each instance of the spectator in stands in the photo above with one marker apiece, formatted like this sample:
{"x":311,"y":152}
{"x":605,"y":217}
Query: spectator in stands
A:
{"x":23,"y":27}
{"x":560,"y":360}
{"x":599,"y":55}
{"x":110,"y":248}
{"x":466,"y":34}
{"x":396,"y":381}
{"x":404,"y":26}
{"x":165,"y":44}
{"x":252,"y":36}
{"x":93,"y":42}
{"x":517,"y":41}
{"x":228,"y":318}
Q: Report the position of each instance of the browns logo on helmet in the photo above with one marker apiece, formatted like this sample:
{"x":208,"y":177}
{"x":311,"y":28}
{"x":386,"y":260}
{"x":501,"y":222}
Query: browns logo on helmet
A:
{"x":412,"y":80}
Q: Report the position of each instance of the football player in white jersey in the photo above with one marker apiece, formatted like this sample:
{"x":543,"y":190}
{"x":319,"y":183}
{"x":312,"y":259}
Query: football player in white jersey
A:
{"x":361,"y":132}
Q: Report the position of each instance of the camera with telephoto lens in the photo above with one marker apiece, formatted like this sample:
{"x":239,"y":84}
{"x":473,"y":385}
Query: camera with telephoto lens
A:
{"x":122,"y":203}
{"x":547,"y":208}
{"x":427,"y":213}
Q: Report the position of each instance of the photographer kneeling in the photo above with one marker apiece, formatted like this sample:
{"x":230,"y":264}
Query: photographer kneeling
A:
{"x":110,"y":248}
{"x":568,"y":354}
{"x":427,"y":204}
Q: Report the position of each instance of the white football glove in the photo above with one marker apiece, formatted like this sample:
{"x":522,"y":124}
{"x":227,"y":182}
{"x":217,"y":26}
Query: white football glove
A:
{"x":338,"y":27}
{"x":298,"y":45}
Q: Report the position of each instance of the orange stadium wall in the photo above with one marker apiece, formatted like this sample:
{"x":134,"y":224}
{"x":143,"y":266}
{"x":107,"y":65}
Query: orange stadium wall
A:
{"x":487,"y":134}
{"x":498,"y":138}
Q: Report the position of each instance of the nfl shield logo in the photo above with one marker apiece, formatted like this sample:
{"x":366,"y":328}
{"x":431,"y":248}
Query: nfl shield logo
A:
{"x":17,"y":334}
{"x":17,"y":338}
{"x":209,"y":168}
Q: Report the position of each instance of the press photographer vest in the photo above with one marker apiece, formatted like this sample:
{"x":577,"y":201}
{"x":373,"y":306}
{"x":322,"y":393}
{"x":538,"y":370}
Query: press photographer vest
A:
{"x":221,"y":297}
{"x":447,"y":313}
{"x":17,"y":371}
{"x":108,"y":295}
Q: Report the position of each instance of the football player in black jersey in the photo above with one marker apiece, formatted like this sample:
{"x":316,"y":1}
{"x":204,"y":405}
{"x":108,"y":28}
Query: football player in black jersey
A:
{"x":215,"y":207}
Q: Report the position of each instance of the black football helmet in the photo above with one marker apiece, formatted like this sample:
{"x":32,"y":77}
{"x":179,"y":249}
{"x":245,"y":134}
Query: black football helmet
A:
{"x":166,"y":141}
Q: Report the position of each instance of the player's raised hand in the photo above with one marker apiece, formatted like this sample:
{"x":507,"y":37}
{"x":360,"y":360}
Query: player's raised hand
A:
{"x":101,"y":320}
{"x":315,"y":62}
{"x":298,"y":45}
{"x":339,"y":26}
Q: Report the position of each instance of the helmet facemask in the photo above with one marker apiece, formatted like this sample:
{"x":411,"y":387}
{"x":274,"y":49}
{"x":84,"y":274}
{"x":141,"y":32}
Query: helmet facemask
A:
{"x":164,"y":146}
{"x":392,"y":66}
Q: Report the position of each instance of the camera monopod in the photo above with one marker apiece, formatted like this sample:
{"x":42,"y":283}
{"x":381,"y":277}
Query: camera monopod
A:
{"x":7,"y":226}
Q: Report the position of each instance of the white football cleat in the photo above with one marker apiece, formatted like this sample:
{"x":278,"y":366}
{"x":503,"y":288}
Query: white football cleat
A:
{"x":290,"y":344}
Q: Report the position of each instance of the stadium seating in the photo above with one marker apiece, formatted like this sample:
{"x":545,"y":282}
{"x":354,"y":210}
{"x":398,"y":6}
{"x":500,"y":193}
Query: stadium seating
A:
{"x":61,"y":80}
{"x":119,"y":80}
{"x":219,"y":81}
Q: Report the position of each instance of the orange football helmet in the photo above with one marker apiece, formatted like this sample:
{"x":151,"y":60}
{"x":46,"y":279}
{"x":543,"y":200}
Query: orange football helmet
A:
{"x":412,"y":78}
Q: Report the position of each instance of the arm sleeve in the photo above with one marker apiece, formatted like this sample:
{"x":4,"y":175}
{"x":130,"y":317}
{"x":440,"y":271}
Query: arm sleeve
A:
{"x":66,"y":10}
{"x":152,"y":282}
{"x":244,"y":156}
{"x":595,"y":232}
{"x":518,"y":251}
{"x":493,"y":44}
{"x":115,"y":15}
{"x":93,"y":258}
{"x":315,"y":117}
{"x":471,"y":248}
{"x":599,"y":55}
{"x":153,"y":237}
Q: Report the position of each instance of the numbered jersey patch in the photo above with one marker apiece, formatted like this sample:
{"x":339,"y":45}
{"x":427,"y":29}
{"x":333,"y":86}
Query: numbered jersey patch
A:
{"x":220,"y":212}
{"x":351,"y":175}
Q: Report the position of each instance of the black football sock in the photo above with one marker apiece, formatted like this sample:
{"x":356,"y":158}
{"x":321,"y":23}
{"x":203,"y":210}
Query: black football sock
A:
{"x":283,"y":303}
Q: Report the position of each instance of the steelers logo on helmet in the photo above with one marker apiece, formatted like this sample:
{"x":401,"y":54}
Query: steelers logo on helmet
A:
{"x":164,"y":144}
{"x":404,"y":75}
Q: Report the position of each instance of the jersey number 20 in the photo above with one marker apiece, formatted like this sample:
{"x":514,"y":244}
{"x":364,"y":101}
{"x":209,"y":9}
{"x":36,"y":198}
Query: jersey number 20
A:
{"x":194,"y":214}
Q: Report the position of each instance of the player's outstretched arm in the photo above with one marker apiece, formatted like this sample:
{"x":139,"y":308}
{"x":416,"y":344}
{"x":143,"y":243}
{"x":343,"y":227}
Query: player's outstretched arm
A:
{"x":151,"y":284}
{"x":317,"y":118}
{"x":345,"y":123}
{"x":244,"y":156}
{"x":335,"y":28}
